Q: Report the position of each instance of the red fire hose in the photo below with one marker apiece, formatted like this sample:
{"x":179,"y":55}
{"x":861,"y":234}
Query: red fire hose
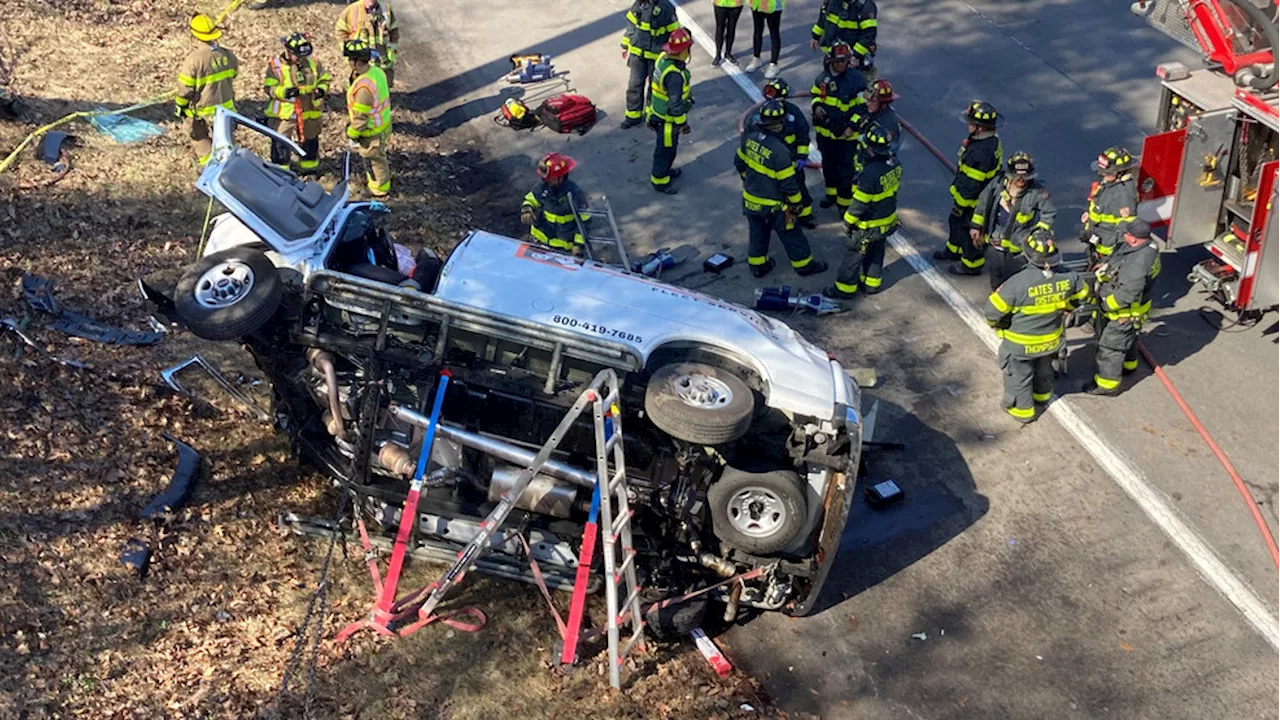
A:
{"x":1263,"y":528}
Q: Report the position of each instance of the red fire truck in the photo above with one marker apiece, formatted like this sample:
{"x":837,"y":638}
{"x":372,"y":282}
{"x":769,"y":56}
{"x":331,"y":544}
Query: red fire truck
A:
{"x":1209,"y":172}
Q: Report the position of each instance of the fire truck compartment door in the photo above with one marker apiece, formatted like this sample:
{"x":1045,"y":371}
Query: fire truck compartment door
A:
{"x":1266,"y":289}
{"x":1202,"y":182}
{"x":1158,"y":175}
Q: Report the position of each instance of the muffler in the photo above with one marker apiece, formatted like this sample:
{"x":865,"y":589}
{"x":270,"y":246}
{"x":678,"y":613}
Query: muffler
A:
{"x":544,"y":495}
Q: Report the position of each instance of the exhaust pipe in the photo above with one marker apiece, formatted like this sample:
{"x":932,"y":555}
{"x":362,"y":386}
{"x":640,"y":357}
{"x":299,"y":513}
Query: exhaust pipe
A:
{"x":322,"y":361}
{"x":544,"y":494}
{"x":513,"y":454}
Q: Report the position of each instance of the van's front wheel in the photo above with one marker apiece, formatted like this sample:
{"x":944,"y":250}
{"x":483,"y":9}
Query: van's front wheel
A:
{"x":699,"y":403}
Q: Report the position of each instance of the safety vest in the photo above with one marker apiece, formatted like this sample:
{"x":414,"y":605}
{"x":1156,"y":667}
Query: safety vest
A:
{"x":767,"y":7}
{"x":659,"y":103}
{"x":282,"y":75}
{"x":369,"y":120}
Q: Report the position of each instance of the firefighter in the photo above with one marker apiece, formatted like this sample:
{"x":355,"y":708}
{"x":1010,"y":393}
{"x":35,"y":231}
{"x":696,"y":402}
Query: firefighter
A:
{"x":871,"y":218}
{"x":651,"y":23}
{"x":205,"y":83}
{"x":670,"y":97}
{"x":369,"y":112}
{"x":1125,"y":282}
{"x":548,"y":209}
{"x":878,"y":96}
{"x":838,"y":106}
{"x":1113,"y":202}
{"x":296,"y":84}
{"x":795,"y":132}
{"x":375,"y":23}
{"x":853,"y":22}
{"x":979,"y":160}
{"x":771,"y":194}
{"x":1008,"y":211}
{"x":1028,"y":312}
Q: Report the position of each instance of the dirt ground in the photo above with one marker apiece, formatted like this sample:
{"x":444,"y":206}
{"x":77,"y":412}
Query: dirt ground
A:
{"x":210,"y":630}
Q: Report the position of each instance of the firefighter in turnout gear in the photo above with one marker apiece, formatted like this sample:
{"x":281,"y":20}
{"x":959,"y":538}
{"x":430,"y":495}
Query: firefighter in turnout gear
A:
{"x":296,"y":84}
{"x":771,"y":194}
{"x":795,"y":133}
{"x":1125,"y":283}
{"x":548,"y":209}
{"x":205,"y":83}
{"x":1028,"y":311}
{"x":1008,"y":211}
{"x":979,"y":161}
{"x":369,"y":113}
{"x":374,"y":23}
{"x":670,"y":97}
{"x":838,"y":107}
{"x":1113,"y":203}
{"x":879,"y":95}
{"x":651,"y":22}
{"x":871,"y":218}
{"x":853,"y":22}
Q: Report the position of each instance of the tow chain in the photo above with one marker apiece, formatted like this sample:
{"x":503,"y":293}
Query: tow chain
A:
{"x":317,"y":607}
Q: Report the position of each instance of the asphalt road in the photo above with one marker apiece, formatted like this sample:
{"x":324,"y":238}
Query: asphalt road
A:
{"x":1043,"y":590}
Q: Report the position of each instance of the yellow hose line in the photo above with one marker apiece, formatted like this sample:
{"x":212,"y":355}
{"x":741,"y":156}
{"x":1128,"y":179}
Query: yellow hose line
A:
{"x":4,"y":165}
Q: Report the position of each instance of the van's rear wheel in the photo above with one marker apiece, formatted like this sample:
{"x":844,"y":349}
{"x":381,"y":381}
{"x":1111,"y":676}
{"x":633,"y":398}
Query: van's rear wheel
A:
{"x":699,"y":403}
{"x":228,"y":294}
{"x":757,"y":512}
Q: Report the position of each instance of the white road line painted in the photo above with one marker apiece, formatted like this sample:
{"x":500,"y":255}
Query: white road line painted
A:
{"x":1121,"y":470}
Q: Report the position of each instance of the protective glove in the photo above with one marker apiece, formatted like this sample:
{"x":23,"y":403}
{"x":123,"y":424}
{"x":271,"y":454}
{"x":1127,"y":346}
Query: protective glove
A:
{"x":685,"y":129}
{"x":179,"y":111}
{"x":318,"y":93}
{"x":289,"y":93}
{"x":526,"y":216}
{"x":957,"y":211}
{"x":801,"y":163}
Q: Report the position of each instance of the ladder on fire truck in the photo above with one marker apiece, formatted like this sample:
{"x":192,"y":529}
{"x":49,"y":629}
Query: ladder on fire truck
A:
{"x":615,"y":514}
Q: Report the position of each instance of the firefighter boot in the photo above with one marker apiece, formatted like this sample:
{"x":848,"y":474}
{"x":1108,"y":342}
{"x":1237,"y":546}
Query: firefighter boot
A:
{"x":763,"y":269}
{"x":813,"y":267}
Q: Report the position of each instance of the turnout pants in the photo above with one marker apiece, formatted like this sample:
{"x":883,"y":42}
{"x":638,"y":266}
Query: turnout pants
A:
{"x":377,"y":167}
{"x":310,"y":142}
{"x":664,"y":151}
{"x":637,"y":84}
{"x":1027,"y":381}
{"x":201,"y":141}
{"x":762,"y":224}
{"x":1117,"y":350}
{"x":837,"y":170}
{"x":806,"y":200}
{"x":862,"y":261}
{"x":1004,"y":265}
{"x":959,"y":245}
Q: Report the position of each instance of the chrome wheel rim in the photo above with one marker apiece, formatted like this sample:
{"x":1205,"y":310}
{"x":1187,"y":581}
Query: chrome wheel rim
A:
{"x":224,"y":284}
{"x":757,"y":512}
{"x":702,"y":391}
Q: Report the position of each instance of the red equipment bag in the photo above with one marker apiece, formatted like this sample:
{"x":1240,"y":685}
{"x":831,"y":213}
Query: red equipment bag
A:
{"x":567,"y":113}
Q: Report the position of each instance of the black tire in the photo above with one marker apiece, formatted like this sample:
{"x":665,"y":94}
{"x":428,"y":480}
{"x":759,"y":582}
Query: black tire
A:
{"x":713,"y":423}
{"x":245,"y":314}
{"x":779,"y":497}
{"x":675,"y":622}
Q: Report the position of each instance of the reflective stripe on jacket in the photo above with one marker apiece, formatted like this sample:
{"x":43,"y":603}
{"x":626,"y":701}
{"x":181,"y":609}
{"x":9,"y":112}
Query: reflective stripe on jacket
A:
{"x":853,"y":21}
{"x":206,"y":81}
{"x":840,"y":97}
{"x":978,"y":162}
{"x":282,"y":75}
{"x":1126,"y":291}
{"x":875,"y":196}
{"x":378,"y":28}
{"x":369,"y":104}
{"x":1112,"y":206}
{"x":1028,"y":211}
{"x":1027,"y":310}
{"x":795,"y":130}
{"x":553,"y":222}
{"x":768,"y":172}
{"x":649,"y":25}
{"x":670,"y":91}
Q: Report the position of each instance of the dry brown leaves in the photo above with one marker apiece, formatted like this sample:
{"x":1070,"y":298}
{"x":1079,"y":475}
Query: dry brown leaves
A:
{"x":208,"y":633}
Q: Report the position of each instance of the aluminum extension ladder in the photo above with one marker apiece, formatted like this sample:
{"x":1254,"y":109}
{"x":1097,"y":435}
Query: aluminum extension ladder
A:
{"x":611,"y":484}
{"x":616,"y":252}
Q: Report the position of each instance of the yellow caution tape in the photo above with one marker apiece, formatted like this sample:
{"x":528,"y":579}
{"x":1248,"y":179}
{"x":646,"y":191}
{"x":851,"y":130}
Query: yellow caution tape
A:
{"x":4,"y":165}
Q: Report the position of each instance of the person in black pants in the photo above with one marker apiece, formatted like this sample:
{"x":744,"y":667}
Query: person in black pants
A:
{"x":766,"y":12}
{"x":727,"y":14}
